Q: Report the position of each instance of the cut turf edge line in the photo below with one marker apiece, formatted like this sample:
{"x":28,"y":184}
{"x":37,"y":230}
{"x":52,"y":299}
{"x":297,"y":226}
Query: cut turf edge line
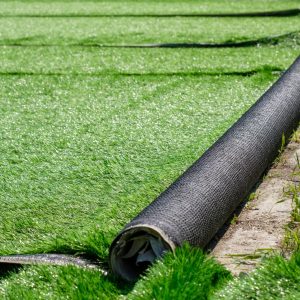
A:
{"x":269,"y":40}
{"x":278,"y":13}
{"x":265,"y":69}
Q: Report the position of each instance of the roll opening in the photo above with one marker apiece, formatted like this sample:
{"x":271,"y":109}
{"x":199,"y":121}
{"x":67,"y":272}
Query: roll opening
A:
{"x":135,"y":249}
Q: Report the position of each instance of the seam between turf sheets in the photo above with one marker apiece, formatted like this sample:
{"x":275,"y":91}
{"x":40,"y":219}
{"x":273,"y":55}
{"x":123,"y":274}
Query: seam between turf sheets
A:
{"x":266,"y":69}
{"x":269,"y":40}
{"x":276,"y":13}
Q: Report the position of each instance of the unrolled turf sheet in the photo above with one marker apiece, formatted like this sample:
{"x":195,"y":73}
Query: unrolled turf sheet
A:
{"x":110,"y":31}
{"x":197,"y":204}
{"x":201,"y":200}
{"x":141,"y":7}
{"x":161,"y":61}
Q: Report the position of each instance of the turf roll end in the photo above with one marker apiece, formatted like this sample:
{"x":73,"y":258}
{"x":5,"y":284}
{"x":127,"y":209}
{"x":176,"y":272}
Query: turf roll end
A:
{"x":137,"y":247}
{"x":200,"y":201}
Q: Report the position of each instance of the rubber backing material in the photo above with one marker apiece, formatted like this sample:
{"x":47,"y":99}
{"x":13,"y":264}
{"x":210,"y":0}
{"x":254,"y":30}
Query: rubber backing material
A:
{"x":198,"y":203}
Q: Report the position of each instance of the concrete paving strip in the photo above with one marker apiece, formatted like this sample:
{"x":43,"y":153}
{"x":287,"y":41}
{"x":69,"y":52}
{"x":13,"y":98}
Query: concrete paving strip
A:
{"x":259,"y":228}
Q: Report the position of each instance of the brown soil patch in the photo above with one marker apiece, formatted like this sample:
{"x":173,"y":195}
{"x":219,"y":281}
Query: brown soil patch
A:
{"x":259,"y":228}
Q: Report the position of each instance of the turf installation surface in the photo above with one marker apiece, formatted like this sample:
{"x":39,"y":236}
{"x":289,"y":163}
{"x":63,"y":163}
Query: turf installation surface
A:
{"x":75,"y":147}
{"x":94,"y":61}
{"x":90,"y":136}
{"x":277,"y":278}
{"x":111,"y":31}
{"x":140,"y":7}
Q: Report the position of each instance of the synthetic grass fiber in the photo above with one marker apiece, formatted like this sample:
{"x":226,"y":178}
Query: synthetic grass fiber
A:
{"x":86,"y":31}
{"x":91,"y":136}
{"x":198,"y":203}
{"x":75,"y":147}
{"x":277,"y":278}
{"x":138,"y":7}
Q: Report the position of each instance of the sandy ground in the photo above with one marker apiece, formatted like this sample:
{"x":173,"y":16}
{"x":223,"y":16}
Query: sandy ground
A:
{"x":258,"y":226}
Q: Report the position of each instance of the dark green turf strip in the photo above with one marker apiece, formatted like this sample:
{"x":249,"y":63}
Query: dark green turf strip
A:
{"x":190,"y":271}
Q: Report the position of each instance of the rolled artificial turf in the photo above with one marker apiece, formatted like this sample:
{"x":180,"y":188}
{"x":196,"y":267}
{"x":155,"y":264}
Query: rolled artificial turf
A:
{"x":82,"y":134}
{"x":75,"y":147}
{"x":151,"y":232}
{"x":199,"y":202}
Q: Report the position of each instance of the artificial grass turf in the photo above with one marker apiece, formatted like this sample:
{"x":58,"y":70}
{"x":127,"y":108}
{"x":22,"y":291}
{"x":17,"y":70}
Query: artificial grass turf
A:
{"x":84,"y":151}
{"x":52,"y":282}
{"x":46,"y":7}
{"x":89,"y":61}
{"x":188,"y":274}
{"x":188,"y":270}
{"x":77,"y":148}
{"x":82,"y":154}
{"x":276,"y":278}
{"x":110,"y":30}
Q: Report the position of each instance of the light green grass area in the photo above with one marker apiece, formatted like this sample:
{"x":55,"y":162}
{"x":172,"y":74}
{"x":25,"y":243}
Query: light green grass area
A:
{"x":90,"y":136}
{"x":276,"y":278}
{"x":81,"y":151}
{"x":110,"y":30}
{"x":117,"y":7}
{"x":81,"y":60}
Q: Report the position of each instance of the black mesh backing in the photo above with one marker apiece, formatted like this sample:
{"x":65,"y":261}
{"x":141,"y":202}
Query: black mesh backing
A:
{"x":198,"y":203}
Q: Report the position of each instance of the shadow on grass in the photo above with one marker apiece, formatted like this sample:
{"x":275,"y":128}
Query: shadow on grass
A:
{"x":7,"y":269}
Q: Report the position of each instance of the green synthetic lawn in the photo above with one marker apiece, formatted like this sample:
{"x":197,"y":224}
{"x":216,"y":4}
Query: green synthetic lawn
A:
{"x":90,"y":136}
{"x":110,"y":30}
{"x":190,"y":276}
{"x":63,"y":7}
{"x":80,"y":60}
{"x":277,"y":278}
{"x":81,"y":155}
{"x":85,"y":151}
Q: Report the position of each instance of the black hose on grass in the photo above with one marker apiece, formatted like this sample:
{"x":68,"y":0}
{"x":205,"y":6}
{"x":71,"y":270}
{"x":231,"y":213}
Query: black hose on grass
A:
{"x":198,"y":203}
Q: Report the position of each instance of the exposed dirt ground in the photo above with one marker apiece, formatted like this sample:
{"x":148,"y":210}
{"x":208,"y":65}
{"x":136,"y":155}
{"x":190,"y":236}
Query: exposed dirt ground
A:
{"x":259,"y":227}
